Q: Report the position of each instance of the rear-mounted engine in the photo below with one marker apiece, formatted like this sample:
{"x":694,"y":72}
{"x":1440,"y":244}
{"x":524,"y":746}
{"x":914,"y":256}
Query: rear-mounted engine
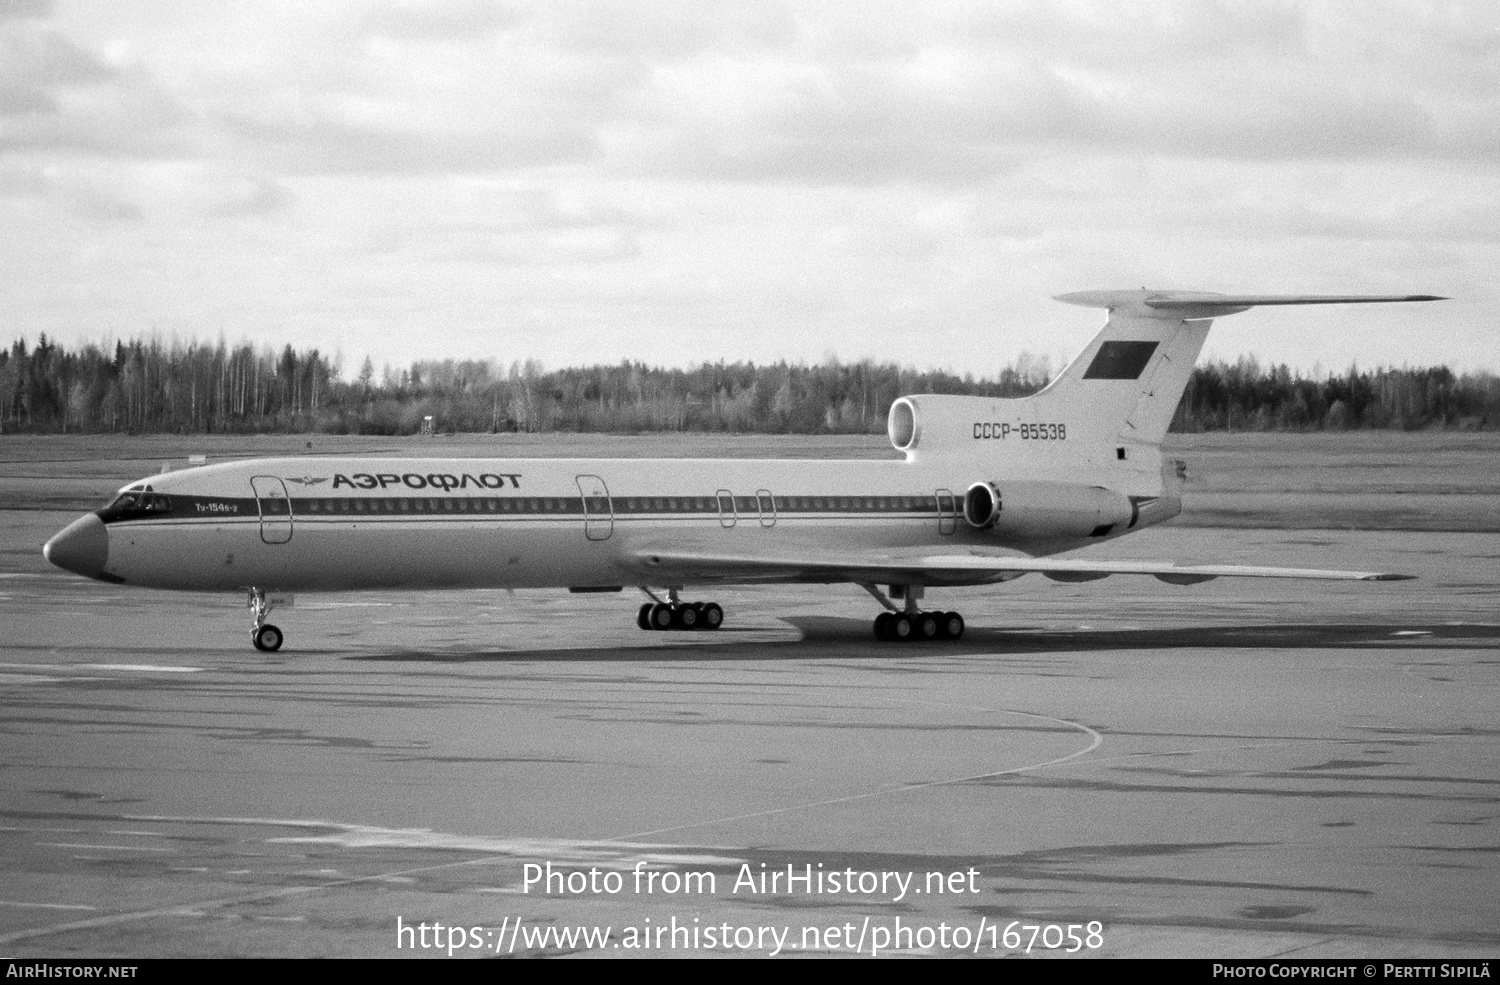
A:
{"x":930,"y":422}
{"x":982,"y":505}
{"x":1046,"y":510}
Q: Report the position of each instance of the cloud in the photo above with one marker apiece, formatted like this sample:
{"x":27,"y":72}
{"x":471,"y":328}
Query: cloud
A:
{"x":755,"y":91}
{"x":126,"y":121}
{"x":1129,"y":38}
{"x":527,"y":225}
{"x":179,"y":195}
{"x":957,"y":97}
{"x":24,"y":100}
{"x":445,"y":20}
{"x":104,"y":206}
{"x":542,"y":248}
{"x":664,"y":30}
{"x":17,"y":181}
{"x":322,"y":142}
{"x":19,"y":9}
{"x":253,"y":197}
{"x":58,"y":96}
{"x":40,"y":56}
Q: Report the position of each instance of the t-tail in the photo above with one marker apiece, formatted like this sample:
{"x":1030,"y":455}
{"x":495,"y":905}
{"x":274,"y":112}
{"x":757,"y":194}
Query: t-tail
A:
{"x":1127,"y":383}
{"x":1089,"y":444}
{"x":1115,"y":399}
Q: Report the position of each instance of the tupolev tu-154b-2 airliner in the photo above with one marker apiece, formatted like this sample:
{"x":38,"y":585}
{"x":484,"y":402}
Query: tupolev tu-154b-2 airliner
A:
{"x":989,"y":489}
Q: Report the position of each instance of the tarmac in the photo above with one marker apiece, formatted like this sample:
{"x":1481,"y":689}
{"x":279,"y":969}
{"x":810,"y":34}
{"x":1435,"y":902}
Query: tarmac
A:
{"x":1241,"y":768}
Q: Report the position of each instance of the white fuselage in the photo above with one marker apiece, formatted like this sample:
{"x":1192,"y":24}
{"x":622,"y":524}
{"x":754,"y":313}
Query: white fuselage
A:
{"x":300,"y":524}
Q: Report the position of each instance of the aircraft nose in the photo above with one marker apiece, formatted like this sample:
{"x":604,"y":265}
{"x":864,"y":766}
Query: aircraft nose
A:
{"x":81,"y":547}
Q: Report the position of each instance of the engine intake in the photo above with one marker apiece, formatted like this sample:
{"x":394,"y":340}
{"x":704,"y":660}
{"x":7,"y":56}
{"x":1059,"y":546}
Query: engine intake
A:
{"x":942,"y":423}
{"x":982,"y":505}
{"x":901,"y":424}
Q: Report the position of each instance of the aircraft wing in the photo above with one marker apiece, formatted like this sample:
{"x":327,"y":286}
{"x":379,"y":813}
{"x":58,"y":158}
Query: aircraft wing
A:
{"x":957,"y":568}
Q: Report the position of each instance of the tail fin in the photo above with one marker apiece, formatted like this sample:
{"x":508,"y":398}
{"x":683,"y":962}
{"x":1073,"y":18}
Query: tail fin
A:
{"x":1126,"y":384}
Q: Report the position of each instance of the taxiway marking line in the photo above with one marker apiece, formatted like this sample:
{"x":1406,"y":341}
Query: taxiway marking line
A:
{"x":98,"y":848}
{"x":1097,"y":741}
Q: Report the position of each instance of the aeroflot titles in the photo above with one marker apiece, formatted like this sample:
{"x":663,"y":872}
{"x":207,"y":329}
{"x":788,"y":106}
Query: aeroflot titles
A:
{"x":432,"y":480}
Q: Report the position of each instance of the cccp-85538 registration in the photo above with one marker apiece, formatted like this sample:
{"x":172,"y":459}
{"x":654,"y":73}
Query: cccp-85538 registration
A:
{"x":1025,"y":431}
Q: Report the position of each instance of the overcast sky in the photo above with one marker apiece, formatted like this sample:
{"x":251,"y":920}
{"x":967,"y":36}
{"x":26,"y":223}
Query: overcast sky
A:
{"x":582,"y":181}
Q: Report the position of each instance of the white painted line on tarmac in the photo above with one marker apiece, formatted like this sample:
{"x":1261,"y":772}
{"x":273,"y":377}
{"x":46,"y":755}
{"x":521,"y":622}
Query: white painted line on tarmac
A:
{"x":1096,"y":741}
{"x":103,"y":848}
{"x":138,"y":668}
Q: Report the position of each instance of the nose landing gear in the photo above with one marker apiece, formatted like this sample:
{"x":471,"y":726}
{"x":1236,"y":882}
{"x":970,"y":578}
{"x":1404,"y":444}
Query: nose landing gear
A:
{"x":676,"y":614}
{"x":263,"y":635}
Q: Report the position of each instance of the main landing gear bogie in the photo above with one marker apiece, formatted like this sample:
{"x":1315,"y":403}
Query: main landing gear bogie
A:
{"x":686,"y":616}
{"x":908,"y":624}
{"x":917,"y":627}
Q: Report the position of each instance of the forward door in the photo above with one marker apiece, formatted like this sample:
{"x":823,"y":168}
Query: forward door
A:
{"x":275,"y":508}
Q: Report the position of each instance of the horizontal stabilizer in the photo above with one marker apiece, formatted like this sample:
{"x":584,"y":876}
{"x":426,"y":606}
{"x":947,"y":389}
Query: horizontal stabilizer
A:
{"x":1176,"y":300}
{"x":1205,"y":304}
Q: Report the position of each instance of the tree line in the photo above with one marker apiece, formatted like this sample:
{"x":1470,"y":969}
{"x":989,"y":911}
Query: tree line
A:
{"x":193,"y":387}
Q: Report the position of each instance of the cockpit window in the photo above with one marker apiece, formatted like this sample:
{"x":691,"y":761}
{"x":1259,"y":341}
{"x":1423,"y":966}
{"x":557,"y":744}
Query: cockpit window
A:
{"x":131,"y":503}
